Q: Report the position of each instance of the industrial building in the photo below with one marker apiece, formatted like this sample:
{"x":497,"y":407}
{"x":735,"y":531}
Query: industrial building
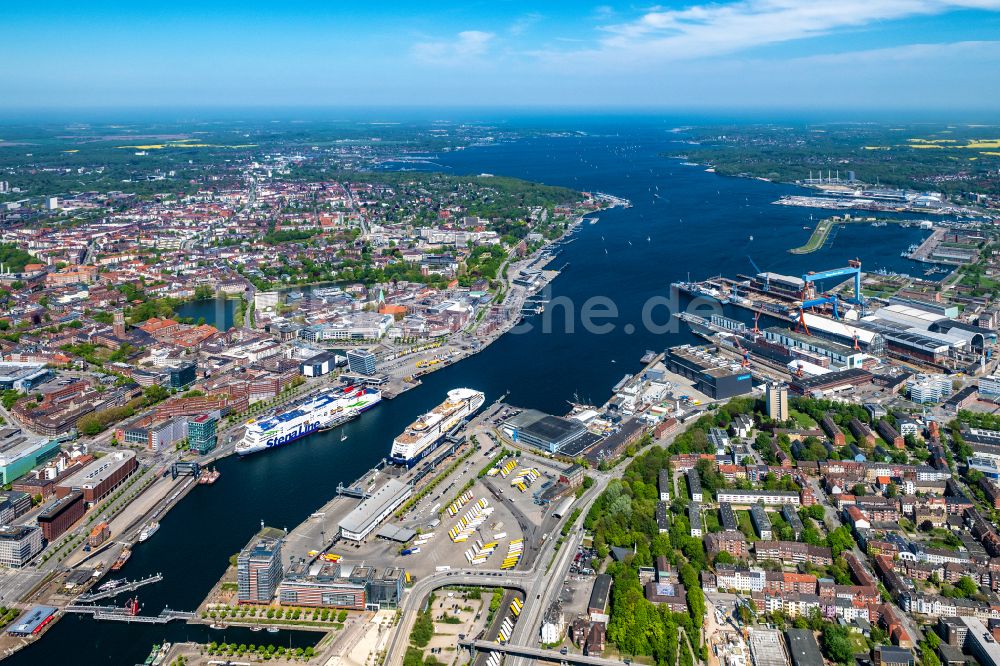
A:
{"x":18,"y":544}
{"x":319,"y":365}
{"x":22,"y":376}
{"x":363,"y":520}
{"x":100,"y":477}
{"x":258,"y":567}
{"x":59,"y":515}
{"x":600,"y":595}
{"x":20,"y":455}
{"x":544,"y":431}
{"x":830,"y":383}
{"x":839,"y":355}
{"x":33,"y":621}
{"x":850,"y":335}
{"x":713,"y":374}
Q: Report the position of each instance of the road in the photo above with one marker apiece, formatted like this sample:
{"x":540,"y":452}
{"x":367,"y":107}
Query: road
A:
{"x":540,"y":583}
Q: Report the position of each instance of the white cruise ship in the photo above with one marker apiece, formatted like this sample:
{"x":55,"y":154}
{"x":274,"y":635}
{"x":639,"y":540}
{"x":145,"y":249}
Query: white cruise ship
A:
{"x":320,"y":413}
{"x":423,"y":435}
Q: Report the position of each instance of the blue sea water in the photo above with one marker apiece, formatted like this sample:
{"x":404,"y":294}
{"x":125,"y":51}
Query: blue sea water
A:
{"x":684,"y":221}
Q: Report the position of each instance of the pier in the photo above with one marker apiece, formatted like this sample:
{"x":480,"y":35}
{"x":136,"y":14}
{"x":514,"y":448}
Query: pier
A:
{"x":115,"y":591}
{"x":116,"y":614}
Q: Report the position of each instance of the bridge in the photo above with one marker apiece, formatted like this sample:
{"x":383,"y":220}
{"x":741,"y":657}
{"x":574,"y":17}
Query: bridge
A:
{"x":116,"y":614}
{"x":184,"y":468}
{"x":539,"y":653}
{"x":115,"y":591}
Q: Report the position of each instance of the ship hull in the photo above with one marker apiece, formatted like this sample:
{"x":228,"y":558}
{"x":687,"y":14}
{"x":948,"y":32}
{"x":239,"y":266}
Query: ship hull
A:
{"x":419,"y":452}
{"x":349,"y":413}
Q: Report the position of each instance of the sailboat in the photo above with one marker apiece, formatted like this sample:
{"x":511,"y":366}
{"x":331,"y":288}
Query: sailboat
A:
{"x":343,"y":436}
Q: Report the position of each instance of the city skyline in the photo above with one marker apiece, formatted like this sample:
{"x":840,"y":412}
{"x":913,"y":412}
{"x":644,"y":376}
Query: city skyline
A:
{"x":746,"y":55}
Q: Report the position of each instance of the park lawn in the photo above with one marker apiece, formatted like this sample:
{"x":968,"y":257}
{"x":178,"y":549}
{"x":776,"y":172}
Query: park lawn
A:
{"x":804,"y":420}
{"x":711,"y":520}
{"x":858,"y":642}
{"x":746,"y":526}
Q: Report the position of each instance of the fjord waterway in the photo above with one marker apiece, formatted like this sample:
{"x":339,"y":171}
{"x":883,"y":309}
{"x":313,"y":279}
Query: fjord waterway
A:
{"x":683,"y":221}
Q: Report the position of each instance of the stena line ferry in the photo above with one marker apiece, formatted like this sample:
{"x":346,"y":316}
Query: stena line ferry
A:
{"x":423,"y":435}
{"x":320,"y":413}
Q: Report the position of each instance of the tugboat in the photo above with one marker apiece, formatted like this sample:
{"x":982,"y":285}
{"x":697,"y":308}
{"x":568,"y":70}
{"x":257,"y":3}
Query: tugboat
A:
{"x":122,"y":559}
{"x":209,"y":478}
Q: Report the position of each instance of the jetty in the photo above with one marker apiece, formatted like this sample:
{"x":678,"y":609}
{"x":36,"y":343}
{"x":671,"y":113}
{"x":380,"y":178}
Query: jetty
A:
{"x":127,"y":586}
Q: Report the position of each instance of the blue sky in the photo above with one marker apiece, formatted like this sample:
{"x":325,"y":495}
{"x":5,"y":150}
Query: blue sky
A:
{"x":752,"y":54}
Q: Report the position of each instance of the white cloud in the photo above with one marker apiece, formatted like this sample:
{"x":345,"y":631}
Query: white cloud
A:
{"x":467,"y":45}
{"x":713,"y":29}
{"x":523,"y":23}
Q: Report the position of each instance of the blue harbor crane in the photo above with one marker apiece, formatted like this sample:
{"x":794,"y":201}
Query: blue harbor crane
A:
{"x":811,"y":299}
{"x":767,"y":280}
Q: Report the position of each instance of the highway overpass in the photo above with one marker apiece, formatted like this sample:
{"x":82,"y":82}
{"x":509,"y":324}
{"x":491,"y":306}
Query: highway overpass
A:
{"x":540,"y":653}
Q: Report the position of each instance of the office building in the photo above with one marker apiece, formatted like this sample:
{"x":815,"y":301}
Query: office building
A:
{"x":361,"y":361}
{"x":989,"y":385}
{"x":202,"y":432}
{"x":928,"y":388}
{"x":100,"y":477}
{"x":183,"y":375}
{"x":777,"y":401}
{"x":13,"y":505}
{"x":61,"y":514}
{"x":258,"y":567}
{"x":18,"y":544}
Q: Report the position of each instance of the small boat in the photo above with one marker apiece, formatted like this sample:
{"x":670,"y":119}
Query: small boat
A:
{"x":122,"y":559}
{"x":751,"y":237}
{"x":110,"y":585}
{"x":273,"y":630}
{"x":256,"y":627}
{"x":343,"y":436}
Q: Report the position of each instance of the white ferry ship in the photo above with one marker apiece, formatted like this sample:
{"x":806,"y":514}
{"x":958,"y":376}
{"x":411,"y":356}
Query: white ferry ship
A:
{"x":149,"y":530}
{"x":321,"y":413}
{"x":423,"y":435}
